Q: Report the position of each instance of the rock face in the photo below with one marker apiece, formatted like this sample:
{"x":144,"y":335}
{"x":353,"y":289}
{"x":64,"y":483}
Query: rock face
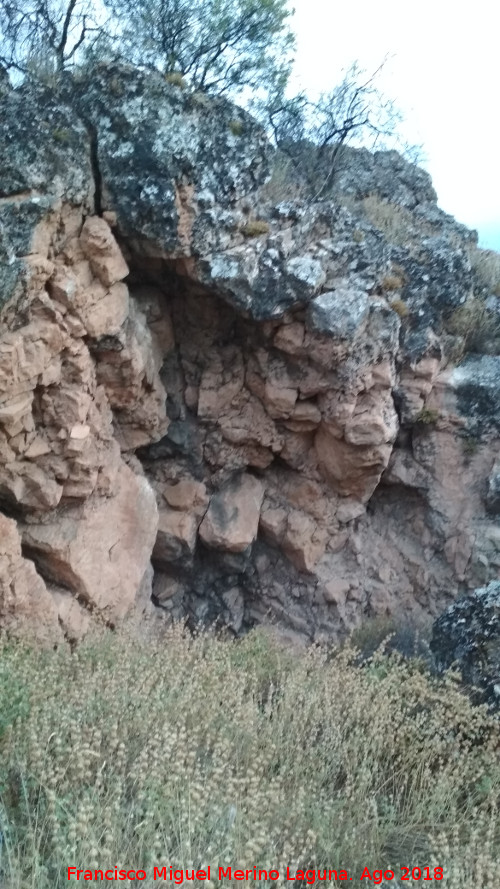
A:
{"x":255,"y":397}
{"x":467,"y":635}
{"x":232,"y":519}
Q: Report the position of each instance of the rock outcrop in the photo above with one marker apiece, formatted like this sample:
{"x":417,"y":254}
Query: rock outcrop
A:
{"x":467,"y":636}
{"x":257,"y":397}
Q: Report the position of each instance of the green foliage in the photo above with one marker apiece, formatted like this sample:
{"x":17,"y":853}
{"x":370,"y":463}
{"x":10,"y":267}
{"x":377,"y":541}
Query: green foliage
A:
{"x":428,"y":416}
{"x":61,"y":135}
{"x":236,"y":127}
{"x":219,"y":46}
{"x":199,"y":751}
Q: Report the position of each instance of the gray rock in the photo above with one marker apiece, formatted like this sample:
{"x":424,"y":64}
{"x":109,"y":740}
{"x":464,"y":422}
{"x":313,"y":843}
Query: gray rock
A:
{"x":476,"y":382}
{"x":157,"y":142}
{"x":44,"y":148}
{"x":178,"y":174}
{"x":493,"y":493}
{"x":361,"y":172}
{"x":44,"y":156}
{"x":339,"y":313}
{"x":468,"y":635}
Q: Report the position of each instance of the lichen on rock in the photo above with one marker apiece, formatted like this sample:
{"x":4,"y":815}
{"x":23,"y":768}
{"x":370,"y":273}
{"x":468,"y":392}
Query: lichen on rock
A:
{"x":246,"y":412}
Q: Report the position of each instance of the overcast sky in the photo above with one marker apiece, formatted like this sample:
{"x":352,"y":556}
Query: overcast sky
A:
{"x":443,"y":73}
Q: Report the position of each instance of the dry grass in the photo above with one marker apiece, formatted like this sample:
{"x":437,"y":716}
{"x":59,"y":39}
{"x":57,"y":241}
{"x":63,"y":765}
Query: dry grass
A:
{"x":255,"y":227}
{"x":196,"y":751}
{"x":398,"y":225}
{"x":394,"y":221}
{"x":176,"y":79}
{"x":400,"y":307}
{"x":283,"y":184}
{"x":478,"y":326}
{"x":392,"y":282}
{"x":486,"y":267}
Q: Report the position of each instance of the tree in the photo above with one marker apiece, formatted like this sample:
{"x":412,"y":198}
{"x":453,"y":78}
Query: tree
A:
{"x":43,"y":38}
{"x":216,"y":45}
{"x":312,"y":134}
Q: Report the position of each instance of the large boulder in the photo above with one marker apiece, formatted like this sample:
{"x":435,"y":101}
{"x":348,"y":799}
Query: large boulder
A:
{"x":467,"y":636}
{"x":102,"y":551}
{"x":232,"y":518}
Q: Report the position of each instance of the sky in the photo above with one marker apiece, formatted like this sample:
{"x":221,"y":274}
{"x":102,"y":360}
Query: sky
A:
{"x":443,"y":73}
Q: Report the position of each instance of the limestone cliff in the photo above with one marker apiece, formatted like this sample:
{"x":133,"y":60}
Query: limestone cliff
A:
{"x":258,"y":398}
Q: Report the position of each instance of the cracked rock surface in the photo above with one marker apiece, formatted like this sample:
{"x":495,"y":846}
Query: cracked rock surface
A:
{"x":467,"y":636}
{"x":223,"y":388}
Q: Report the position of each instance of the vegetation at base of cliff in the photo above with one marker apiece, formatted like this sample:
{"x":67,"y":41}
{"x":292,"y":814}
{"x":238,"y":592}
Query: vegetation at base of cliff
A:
{"x":199,"y":751}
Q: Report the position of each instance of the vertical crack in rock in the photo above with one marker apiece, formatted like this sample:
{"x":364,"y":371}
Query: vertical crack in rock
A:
{"x":94,"y":163}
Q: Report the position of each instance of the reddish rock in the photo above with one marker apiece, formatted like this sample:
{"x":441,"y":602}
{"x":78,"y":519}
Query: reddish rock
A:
{"x":25,"y":604}
{"x":100,"y":551}
{"x":186,"y":494}
{"x":304,"y":542}
{"x":176,"y":538}
{"x":232,"y":519}
{"x":102,"y":251}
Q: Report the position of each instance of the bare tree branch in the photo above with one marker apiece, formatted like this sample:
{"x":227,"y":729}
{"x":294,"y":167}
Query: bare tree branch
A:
{"x":312,"y":133}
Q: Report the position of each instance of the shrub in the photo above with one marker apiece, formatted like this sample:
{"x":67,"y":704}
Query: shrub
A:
{"x":399,"y":306}
{"x":236,"y":126}
{"x":476,"y":324}
{"x":199,"y":751}
{"x":486,"y":267}
{"x":392,"y":282}
{"x":428,"y":416}
{"x":387,"y":633}
{"x":254,"y":228}
{"x":176,"y":79}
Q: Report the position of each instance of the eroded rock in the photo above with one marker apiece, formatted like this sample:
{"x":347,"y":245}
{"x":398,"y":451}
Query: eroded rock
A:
{"x":101,"y":550}
{"x":232,"y":518}
{"x":26,"y":606}
{"x":467,"y":636}
{"x":281,"y":386}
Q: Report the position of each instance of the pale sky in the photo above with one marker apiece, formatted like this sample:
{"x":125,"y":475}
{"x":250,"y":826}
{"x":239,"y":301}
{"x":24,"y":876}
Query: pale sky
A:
{"x":443,"y":73}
